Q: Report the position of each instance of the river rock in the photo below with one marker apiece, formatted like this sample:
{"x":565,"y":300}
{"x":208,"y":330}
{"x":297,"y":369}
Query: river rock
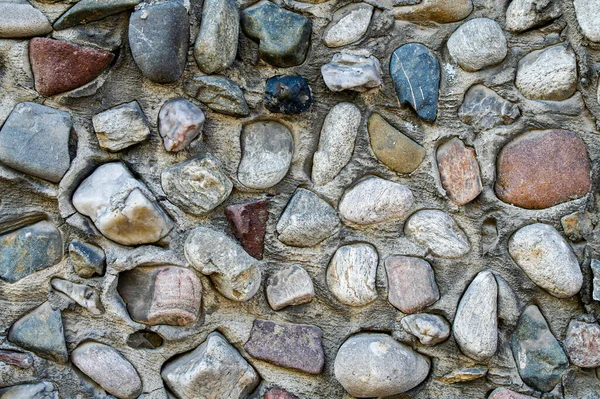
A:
{"x":218,"y":93}
{"x":158,"y":37}
{"x":336,"y":142}
{"x":582,"y":344}
{"x":349,"y":25}
{"x":459,"y":171}
{"x":440,"y":11}
{"x":35,"y":140}
{"x":430,"y":329}
{"x":144,"y":340}
{"x":249,"y":223}
{"x":351,"y":274}
{"x":595,"y":266}
{"x":477,"y":44}
{"x":179,"y":123}
{"x":438,"y":232}
{"x":547,"y":259}
{"x":120,"y":127}
{"x":217,"y":41}
{"x":483,"y":109}
{"x":287,"y":95}
{"x":37,"y":390}
{"x":121,"y":207}
{"x":235,"y":274}
{"x":372,"y":365}
{"x":475,"y":327}
{"x":523,"y":15}
{"x":85,"y":296}
{"x":587,"y":17}
{"x":86,"y":11}
{"x":22,"y":20}
{"x":352,"y":72}
{"x":18,"y":359}
{"x":290,"y":285}
{"x":108,"y":368}
{"x":88,"y":260}
{"x":415,"y":71}
{"x":411,"y":283}
{"x":503,"y":393}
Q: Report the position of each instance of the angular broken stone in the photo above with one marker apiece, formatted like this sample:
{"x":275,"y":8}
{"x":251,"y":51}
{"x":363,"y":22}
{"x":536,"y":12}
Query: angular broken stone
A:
{"x":522,"y":15}
{"x":349,"y":25}
{"x":86,"y":11}
{"x":582,"y":344}
{"x":595,"y":266}
{"x":587,"y":17}
{"x":22,"y":20}
{"x":21,"y":360}
{"x":219,"y":94}
{"x":287,"y":94}
{"x":503,"y":393}
{"x":438,"y":232}
{"x":430,"y":329}
{"x":120,"y":127}
{"x":179,"y":123}
{"x":88,"y":260}
{"x":477,"y":44}
{"x":459,"y":171}
{"x":249,"y":223}
{"x":577,"y":225}
{"x":278,"y":393}
{"x":37,"y":390}
{"x":288,"y":286}
{"x":352,"y":72}
{"x":440,"y":11}
{"x":295,"y":346}
{"x":215,"y":369}
{"x":235,"y":274}
{"x":144,"y":340}
{"x":483,"y":109}
{"x":351,"y":274}
{"x":464,"y":375}
{"x":411,"y":283}
{"x":86,"y":297}
{"x":121,"y":207}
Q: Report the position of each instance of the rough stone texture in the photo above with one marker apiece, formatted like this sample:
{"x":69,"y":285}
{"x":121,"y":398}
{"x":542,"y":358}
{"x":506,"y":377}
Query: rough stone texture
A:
{"x":179,"y":123}
{"x":22,"y":20}
{"x":430,"y":329}
{"x":18,"y":359}
{"x":464,"y":375}
{"x":441,"y":11}
{"x":249,"y":224}
{"x":577,"y":226}
{"x":287,"y":94}
{"x":277,"y":393}
{"x":349,"y":25}
{"x":38,"y":390}
{"x":352,"y":72}
{"x":459,"y":171}
{"x":438,"y":232}
{"x":502,"y":393}
{"x":582,"y":344}
{"x":120,"y":127}
{"x":88,"y":260}
{"x":483,"y":109}
{"x":219,"y":94}
{"x":477,"y":44}
{"x":595,"y":265}
{"x":289,"y":286}
{"x":86,"y":11}
{"x":411,"y":283}
{"x":523,"y":15}
{"x":587,"y":17}
{"x":83,"y":295}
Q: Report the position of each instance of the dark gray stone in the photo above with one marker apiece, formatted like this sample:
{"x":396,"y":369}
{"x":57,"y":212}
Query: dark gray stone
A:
{"x":88,"y":260}
{"x":219,"y":94}
{"x":144,"y":340}
{"x":287,"y":95}
{"x":484,"y":109}
{"x":92,"y":10}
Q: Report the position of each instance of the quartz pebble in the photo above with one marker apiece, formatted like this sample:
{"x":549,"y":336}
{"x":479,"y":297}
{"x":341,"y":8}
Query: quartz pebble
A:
{"x":21,"y":360}
{"x":438,"y":232}
{"x":290,"y":285}
{"x":411,"y":283}
{"x":440,"y":11}
{"x":349,"y":25}
{"x":523,"y":15}
{"x":22,"y":20}
{"x":287,"y":94}
{"x":595,"y":266}
{"x":502,"y":393}
{"x":144,"y":340}
{"x":352,"y":72}
{"x":278,"y":393}
{"x":249,"y":223}
{"x":477,"y":44}
{"x":430,"y":329}
{"x":459,"y":171}
{"x":483,"y":109}
{"x":86,"y":11}
{"x":218,"y":93}
{"x":179,"y":123}
{"x":88,"y":260}
{"x":85,"y":296}
{"x":582,"y":344}
{"x":464,"y":375}
{"x":37,"y":390}
{"x":587,"y":16}
{"x":121,"y":127}
{"x":351,"y":274}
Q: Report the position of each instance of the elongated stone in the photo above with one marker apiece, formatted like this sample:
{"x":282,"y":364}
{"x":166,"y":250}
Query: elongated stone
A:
{"x":522,"y":15}
{"x":278,"y":393}
{"x":86,"y":11}
{"x":179,"y":123}
{"x":477,"y":44}
{"x":352,"y":72}
{"x":441,"y":11}
{"x":411,"y":283}
{"x":430,"y":329}
{"x":349,"y":25}
{"x":483,"y":109}
{"x":18,"y":359}
{"x":459,"y":171}
{"x":85,"y":296}
{"x":289,"y":286}
{"x":37,"y":390}
{"x":595,"y":266}
{"x":502,"y":393}
{"x":219,"y":94}
{"x":464,"y":375}
{"x":249,"y":222}
{"x":582,"y":344}
{"x":438,"y":232}
{"x":351,"y":274}
{"x":120,"y":127}
{"x":217,"y":41}
{"x":22,"y":20}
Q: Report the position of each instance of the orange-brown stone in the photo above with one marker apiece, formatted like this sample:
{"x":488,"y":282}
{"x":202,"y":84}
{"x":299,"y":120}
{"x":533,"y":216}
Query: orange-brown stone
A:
{"x":459,"y":171}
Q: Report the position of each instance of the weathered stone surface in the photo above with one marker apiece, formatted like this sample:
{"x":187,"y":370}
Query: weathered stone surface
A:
{"x":144,"y":340}
{"x":267,"y":149}
{"x":595,"y":266}
{"x":415,"y":71}
{"x":548,"y":74}
{"x":539,"y":357}
{"x":249,"y":223}
{"x":438,"y":232}
{"x":21,"y":360}
{"x":441,"y":11}
{"x":483,"y":109}
{"x":88,"y":260}
{"x":28,"y":250}
{"x":411,"y":283}
{"x":543,"y":168}
{"x":477,"y":44}
{"x":587,"y":15}
{"x":307,"y":220}
{"x":287,"y":94}
{"x":215,"y":369}
{"x":179,"y":123}
{"x":278,"y":393}
{"x":547,"y":259}
{"x":35,"y":140}
{"x":464,"y":375}
{"x":217,"y":41}
{"x":158,"y":37}
{"x":218,"y":93}
{"x":503,"y":393}
{"x":86,"y":11}
{"x":375,"y":200}
{"x":349,"y":25}
{"x":235,"y":274}
{"x":120,"y":127}
{"x":352,"y":72}
{"x":295,"y":346}
{"x":84,"y":296}
{"x":336,"y":142}
{"x":108,"y":34}
{"x":197,"y":185}
{"x":351,"y":274}
{"x":291,"y":285}
{"x":475,"y":327}
{"x":41,"y":331}
{"x":372,"y":365}
{"x":577,"y":225}
{"x":37,"y":390}
{"x":108,"y":368}
{"x":459,"y":171}
{"x":60,"y":66}
{"x":22,"y":20}
{"x":121,"y":206}
{"x":523,"y":15}
{"x":283,"y":36}
{"x":582,"y":344}
{"x":430,"y":329}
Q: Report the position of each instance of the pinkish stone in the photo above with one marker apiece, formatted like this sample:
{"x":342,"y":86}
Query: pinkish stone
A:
{"x":459,"y":171}
{"x":502,"y":393}
{"x":249,"y":223}
{"x":179,"y":123}
{"x":18,"y":359}
{"x":582,"y":344}
{"x":278,"y":393}
{"x":411,"y":283}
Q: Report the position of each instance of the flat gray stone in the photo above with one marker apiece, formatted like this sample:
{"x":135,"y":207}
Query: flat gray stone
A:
{"x":288,"y":286}
{"x":85,"y":296}
{"x":219,"y":94}
{"x":120,"y":127}
{"x":411,"y":283}
{"x":86,"y":11}
{"x":36,"y":390}
{"x":351,"y":274}
{"x":217,"y":41}
{"x":438,"y":232}
{"x":88,"y":260}
{"x":483,"y":109}
{"x":477,"y":44}
{"x":179,"y":123}
{"x":22,"y":20}
{"x":523,"y":15}
{"x":352,"y":72}
{"x":430,"y":329}
{"x":587,"y":15}
{"x":349,"y":25}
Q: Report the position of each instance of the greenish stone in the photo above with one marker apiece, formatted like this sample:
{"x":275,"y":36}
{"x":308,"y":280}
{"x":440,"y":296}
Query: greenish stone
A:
{"x":219,"y":94}
{"x":92,"y":10}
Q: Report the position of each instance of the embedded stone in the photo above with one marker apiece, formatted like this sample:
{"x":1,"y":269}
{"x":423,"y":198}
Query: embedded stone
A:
{"x":120,"y":127}
{"x":415,"y":71}
{"x":375,"y":200}
{"x":459,"y":171}
{"x":85,"y":296}
{"x":464,"y":375}
{"x":582,"y":344}
{"x":349,"y":25}
{"x":440,"y":11}
{"x":373,"y":365}
{"x":21,"y":360}
{"x":294,"y":346}
{"x":477,"y":44}
{"x":503,"y":393}
{"x":595,"y":266}
{"x":395,"y":150}
{"x":287,"y":95}
{"x":483,"y":109}
{"x":547,"y":259}
{"x":218,"y":93}
{"x":86,"y":11}
{"x":197,"y":185}
{"x":523,"y":15}
{"x":587,"y":17}
{"x":88,"y":260}
{"x":438,"y":232}
{"x":288,"y":286}
{"x":249,"y":223}
{"x":283,"y":36}
{"x":179,"y":123}
{"x":351,"y":274}
{"x":352,"y":72}
{"x":278,"y":393}
{"x":543,"y":168}
{"x":21,"y":20}
{"x":577,"y":225}
{"x":37,"y":390}
{"x":267,"y":149}
{"x":144,"y":340}
{"x":235,"y":274}
{"x":430,"y":329}
{"x":107,"y":34}
{"x":411,"y":283}
{"x":35,"y":140}
{"x":60,"y":66}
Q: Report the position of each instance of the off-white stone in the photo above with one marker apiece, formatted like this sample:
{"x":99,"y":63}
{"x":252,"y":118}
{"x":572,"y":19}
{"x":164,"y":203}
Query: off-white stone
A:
{"x":477,"y":44}
{"x":85,"y":296}
{"x":430,"y":329}
{"x":587,"y":12}
{"x":351,"y":274}
{"x":349,"y":25}
{"x":352,"y":72}
{"x":289,"y":286}
{"x":522,"y":15}
{"x":438,"y":232}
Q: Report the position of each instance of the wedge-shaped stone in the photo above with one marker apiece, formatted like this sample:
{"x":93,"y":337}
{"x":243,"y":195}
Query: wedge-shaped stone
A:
{"x":219,"y":94}
{"x":352,"y":72}
{"x":522,"y":15}
{"x":351,"y":274}
{"x":87,"y":11}
{"x":441,"y":11}
{"x":249,"y":222}
{"x":291,"y":285}
{"x":85,"y":296}
{"x":459,"y":171}
{"x":411,"y":283}
{"x":438,"y":232}
{"x":88,"y":260}
{"x":22,"y":20}
{"x":120,"y":127}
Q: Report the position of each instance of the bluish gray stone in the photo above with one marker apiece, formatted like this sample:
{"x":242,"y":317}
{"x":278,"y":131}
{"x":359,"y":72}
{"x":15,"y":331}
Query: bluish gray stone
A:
{"x":483,"y":109}
{"x":218,"y":93}
{"x":88,"y":260}
{"x":92,"y":10}
{"x":19,"y":19}
{"x":287,"y":94}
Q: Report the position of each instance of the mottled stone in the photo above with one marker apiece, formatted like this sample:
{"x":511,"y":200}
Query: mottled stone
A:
{"x":595,"y":266}
{"x":351,"y":274}
{"x":35,"y":140}
{"x":464,"y":375}
{"x":543,"y":168}
{"x":577,"y":225}
{"x":438,"y":232}
{"x":483,"y":109}
{"x":440,"y":11}
{"x":547,"y":259}
{"x":582,"y":344}
{"x":218,"y":93}
{"x":294,"y":346}
{"x":217,"y":41}
{"x":459,"y":171}
{"x":411,"y":283}
{"x":415,"y":71}
{"x":523,"y":15}
{"x":120,"y":127}
{"x":179,"y":123}
{"x":372,"y":365}
{"x":235,"y":274}
{"x":477,"y":44}
{"x":85,"y":296}
{"x":144,"y":340}
{"x":287,"y":94}
{"x":278,"y":393}
{"x":22,"y":20}
{"x":197,"y":185}
{"x":288,"y":286}
{"x":587,"y":16}
{"x":283,"y":36}
{"x":249,"y":223}
{"x":215,"y":369}
{"x":267,"y":149}
{"x":88,"y":260}
{"x":37,"y":390}
{"x":107,"y":34}
{"x":539,"y":357}
{"x":352,"y":72}
{"x":349,"y":25}
{"x":21,"y":360}
{"x":503,"y":393}
{"x":108,"y":368}
{"x":430,"y":329}
{"x":86,"y":11}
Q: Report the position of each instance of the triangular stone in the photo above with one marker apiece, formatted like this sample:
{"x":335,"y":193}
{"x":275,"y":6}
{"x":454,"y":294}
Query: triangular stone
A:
{"x":249,"y":223}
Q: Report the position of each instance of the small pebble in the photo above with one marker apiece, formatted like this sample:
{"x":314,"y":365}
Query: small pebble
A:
{"x":179,"y":123}
{"x":595,"y":265}
{"x":502,"y":393}
{"x":121,"y":127}
{"x":483,"y":109}
{"x":582,"y":344}
{"x":85,"y":296}
{"x":477,"y":44}
{"x":278,"y":393}
{"x":430,"y":329}
{"x":21,"y":360}
{"x":440,"y":11}
{"x":459,"y":171}
{"x":144,"y":340}
{"x":218,"y":93}
{"x":88,"y":260}
{"x":464,"y":375}
{"x":349,"y":25}
{"x":249,"y":223}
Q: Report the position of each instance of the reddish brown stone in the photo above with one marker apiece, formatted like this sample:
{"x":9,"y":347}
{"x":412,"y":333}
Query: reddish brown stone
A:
{"x":60,"y":66}
{"x":502,"y":393}
{"x":459,"y":171}
{"x":411,"y":283}
{"x":249,"y":223}
{"x":18,"y":359}
{"x":543,"y":168}
{"x":278,"y":393}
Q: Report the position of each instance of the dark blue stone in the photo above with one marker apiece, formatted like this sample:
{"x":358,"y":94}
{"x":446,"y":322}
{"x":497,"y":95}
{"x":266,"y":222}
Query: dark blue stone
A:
{"x":287,"y":95}
{"x":416,"y":74}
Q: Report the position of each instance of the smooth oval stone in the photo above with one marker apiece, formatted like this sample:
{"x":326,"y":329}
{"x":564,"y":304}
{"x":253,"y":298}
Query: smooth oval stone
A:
{"x":411,"y":283}
{"x":477,"y":44}
{"x":438,"y":232}
{"x":158,"y":37}
{"x":249,"y":224}
{"x":587,"y":12}
{"x":219,"y":94}
{"x":267,"y":149}
{"x":291,"y":285}
{"x":522,"y":15}
{"x":582,"y":344}
{"x":217,"y":41}
{"x":86,"y":11}
{"x":349,"y":25}
{"x":120,"y":127}
{"x":38,"y":390}
{"x":543,"y":168}
{"x":179,"y":123}
{"x":475,"y":325}
{"x":351,"y":274}
{"x":416,"y":74}
{"x":430,"y":329}
{"x":547,"y":259}
{"x":440,"y":11}
{"x":459,"y":171}
{"x":22,"y":20}
{"x":372,"y":365}
{"x":375,"y":200}
{"x":287,"y":94}
{"x":483,"y":109}
{"x":352,"y":72}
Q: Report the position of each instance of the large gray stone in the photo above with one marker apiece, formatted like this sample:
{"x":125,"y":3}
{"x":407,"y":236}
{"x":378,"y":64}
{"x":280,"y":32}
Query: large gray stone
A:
{"x":349,"y":25}
{"x":22,"y":20}
{"x":86,"y":11}
{"x":438,"y":232}
{"x":120,"y":127}
{"x":352,"y":72}
{"x":483,"y":109}
{"x":351,"y":274}
{"x":587,"y":15}
{"x":219,"y":94}
{"x":523,"y":15}
{"x":477,"y":44}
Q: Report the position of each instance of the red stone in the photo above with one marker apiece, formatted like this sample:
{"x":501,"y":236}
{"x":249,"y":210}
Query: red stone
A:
{"x":249,"y":223}
{"x":60,"y":66}
{"x":459,"y":171}
{"x":277,"y":393}
{"x":540,"y":169}
{"x":502,"y":393}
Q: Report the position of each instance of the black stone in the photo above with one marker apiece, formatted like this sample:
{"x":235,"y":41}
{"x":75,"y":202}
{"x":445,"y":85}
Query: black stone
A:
{"x":144,"y":340}
{"x":287,"y":95}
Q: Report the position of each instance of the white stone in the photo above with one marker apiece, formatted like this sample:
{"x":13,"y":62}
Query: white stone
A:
{"x":477,"y":44}
{"x":352,"y":72}
{"x":349,"y":25}
{"x":289,"y":286}
{"x":21,"y":20}
{"x":522,"y":15}
{"x":120,"y":127}
{"x":438,"y":232}
{"x":430,"y":329}
{"x":84,"y":295}
{"x":351,"y":274}
{"x":587,"y":12}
